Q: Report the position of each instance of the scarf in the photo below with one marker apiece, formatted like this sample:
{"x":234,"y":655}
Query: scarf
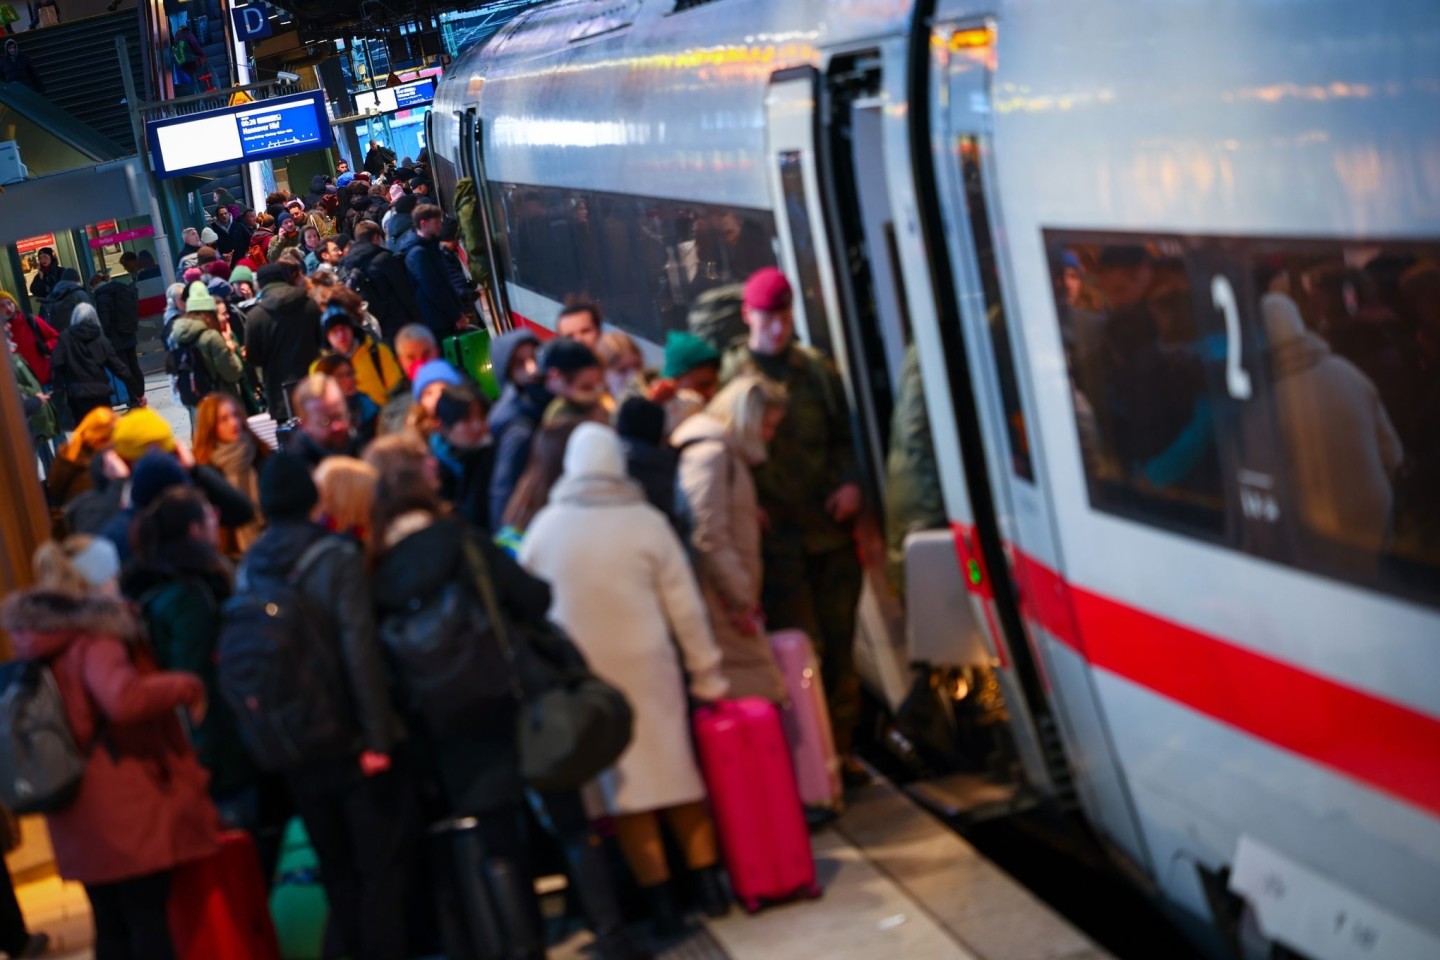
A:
{"x":236,"y":461}
{"x":597,"y":490}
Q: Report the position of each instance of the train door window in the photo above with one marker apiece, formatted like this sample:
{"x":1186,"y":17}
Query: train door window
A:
{"x":802,"y":238}
{"x":1016,"y":431}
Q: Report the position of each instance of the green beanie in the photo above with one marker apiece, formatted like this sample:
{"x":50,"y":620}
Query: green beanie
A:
{"x":685,"y":351}
{"x":242,"y":275}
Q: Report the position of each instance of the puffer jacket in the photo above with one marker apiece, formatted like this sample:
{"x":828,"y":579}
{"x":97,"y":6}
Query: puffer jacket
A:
{"x":227,"y":371}
{"x":282,"y":339}
{"x":336,"y":585}
{"x":142,"y":806}
{"x":62,"y":302}
{"x":80,"y":360}
{"x":725,"y":512}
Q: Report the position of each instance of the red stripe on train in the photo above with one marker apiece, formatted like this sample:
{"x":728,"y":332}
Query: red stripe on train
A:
{"x":522,"y":322}
{"x":1388,"y":746}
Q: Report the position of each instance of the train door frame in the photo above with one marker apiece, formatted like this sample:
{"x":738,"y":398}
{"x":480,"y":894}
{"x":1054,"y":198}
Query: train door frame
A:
{"x":965,"y":176}
{"x":472,"y":165}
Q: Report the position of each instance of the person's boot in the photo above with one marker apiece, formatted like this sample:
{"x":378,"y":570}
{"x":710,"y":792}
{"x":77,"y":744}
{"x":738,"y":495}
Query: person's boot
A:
{"x":711,"y":894}
{"x":666,"y":919}
{"x":594,"y":886}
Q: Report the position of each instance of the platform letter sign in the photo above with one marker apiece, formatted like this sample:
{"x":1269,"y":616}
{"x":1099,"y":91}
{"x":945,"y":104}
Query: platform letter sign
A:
{"x":250,"y":23}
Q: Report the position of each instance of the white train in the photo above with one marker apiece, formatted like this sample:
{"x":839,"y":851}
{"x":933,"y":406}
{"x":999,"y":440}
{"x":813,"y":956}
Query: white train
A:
{"x":1170,"y":268}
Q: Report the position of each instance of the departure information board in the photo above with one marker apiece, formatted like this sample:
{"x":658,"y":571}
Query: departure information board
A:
{"x":252,"y":131}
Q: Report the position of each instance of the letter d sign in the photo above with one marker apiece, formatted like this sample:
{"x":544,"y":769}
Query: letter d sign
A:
{"x":250,"y":23}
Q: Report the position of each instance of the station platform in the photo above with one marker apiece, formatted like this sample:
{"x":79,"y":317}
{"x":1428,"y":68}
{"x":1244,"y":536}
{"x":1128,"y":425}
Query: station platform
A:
{"x":898,"y":884}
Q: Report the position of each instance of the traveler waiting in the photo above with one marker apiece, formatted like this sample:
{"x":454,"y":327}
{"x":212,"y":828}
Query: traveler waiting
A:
{"x":364,"y":414}
{"x":223,"y":440}
{"x":581,"y":321}
{"x":464,"y":453}
{"x":142,"y":808}
{"x":118,"y":304}
{"x":67,"y":294}
{"x":282,"y":334}
{"x":347,"y":497}
{"x":47,"y":271}
{"x":621,"y":585}
{"x":357,"y":801}
{"x":71,"y":476}
{"x":718,"y":448}
{"x":377,"y":373}
{"x":573,"y":375}
{"x":81,"y":360}
{"x":204,"y":354}
{"x":33,"y":337}
{"x":325,"y":427}
{"x":516,"y":415}
{"x":532,"y":493}
{"x":440,"y":309}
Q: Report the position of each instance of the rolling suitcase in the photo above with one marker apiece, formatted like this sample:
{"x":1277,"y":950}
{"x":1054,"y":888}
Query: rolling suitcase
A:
{"x":807,"y":721}
{"x":298,"y":903}
{"x":470,"y":352}
{"x":485,"y":913}
{"x":755,"y":801}
{"x":218,"y":909}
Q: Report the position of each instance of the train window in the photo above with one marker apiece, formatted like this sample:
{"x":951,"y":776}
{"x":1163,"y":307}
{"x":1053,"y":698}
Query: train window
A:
{"x":1137,"y":360}
{"x":802,"y":237}
{"x":984,"y":240}
{"x":1280,"y":397}
{"x":643,"y":260}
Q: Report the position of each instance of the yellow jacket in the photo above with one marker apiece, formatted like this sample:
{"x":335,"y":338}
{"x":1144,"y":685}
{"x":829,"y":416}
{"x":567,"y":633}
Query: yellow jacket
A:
{"x":377,"y":372}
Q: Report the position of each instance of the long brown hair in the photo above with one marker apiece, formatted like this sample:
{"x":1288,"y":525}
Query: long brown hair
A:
{"x":547,"y":462}
{"x":207,"y":419}
{"x":405,"y":485}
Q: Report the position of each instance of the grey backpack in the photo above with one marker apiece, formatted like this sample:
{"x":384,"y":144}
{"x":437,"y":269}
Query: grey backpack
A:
{"x":41,"y":765}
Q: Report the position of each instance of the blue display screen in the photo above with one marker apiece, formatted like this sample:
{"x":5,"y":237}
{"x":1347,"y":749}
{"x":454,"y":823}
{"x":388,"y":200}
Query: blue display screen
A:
{"x":415,"y":94}
{"x":252,"y":131}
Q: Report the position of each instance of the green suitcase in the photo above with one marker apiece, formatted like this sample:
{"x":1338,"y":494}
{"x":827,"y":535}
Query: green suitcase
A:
{"x":297,"y":901}
{"x":470,"y":352}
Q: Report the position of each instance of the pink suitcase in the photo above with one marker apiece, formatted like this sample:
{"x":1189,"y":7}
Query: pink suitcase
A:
{"x":807,"y":721}
{"x":756,"y":804}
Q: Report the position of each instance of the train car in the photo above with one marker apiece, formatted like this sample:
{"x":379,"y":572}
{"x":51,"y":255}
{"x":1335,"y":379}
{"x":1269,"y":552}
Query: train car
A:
{"x":1171,"y":274}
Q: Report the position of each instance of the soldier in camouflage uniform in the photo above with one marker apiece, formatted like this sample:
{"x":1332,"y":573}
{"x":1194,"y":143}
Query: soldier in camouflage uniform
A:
{"x":809,"y":496}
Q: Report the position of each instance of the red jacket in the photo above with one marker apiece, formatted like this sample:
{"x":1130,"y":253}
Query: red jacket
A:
{"x":143,"y":805}
{"x":28,"y":343}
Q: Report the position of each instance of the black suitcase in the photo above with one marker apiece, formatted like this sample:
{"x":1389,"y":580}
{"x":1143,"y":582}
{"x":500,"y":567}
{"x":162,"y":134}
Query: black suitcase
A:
{"x":486,"y":908}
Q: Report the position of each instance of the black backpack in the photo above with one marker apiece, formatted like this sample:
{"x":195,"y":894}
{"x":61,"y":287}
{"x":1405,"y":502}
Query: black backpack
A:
{"x":41,"y":762}
{"x":279,"y":670}
{"x":444,"y":650}
{"x":118,"y":305}
{"x":192,"y":380}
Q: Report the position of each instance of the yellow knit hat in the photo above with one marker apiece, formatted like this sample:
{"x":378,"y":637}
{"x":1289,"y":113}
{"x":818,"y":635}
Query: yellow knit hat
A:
{"x":139,"y":431}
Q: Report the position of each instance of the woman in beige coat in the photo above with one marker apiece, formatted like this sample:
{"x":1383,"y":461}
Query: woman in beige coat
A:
{"x":717,"y":449}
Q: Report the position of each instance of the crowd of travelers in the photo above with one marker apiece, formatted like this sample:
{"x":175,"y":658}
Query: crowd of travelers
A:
{"x":643,"y":527}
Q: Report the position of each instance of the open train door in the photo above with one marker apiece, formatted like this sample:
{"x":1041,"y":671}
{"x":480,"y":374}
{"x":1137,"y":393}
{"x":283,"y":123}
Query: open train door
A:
{"x":492,"y":299}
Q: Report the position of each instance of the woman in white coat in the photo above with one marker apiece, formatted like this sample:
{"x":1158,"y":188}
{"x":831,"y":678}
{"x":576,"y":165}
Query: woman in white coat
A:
{"x":717,"y":449}
{"x":622,"y":585}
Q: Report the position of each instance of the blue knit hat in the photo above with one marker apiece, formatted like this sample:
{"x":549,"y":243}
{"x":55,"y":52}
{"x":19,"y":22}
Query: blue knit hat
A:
{"x":436,"y":371}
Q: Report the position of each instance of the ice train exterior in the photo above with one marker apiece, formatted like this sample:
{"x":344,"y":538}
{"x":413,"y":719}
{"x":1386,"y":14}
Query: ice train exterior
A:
{"x":1170,"y":269}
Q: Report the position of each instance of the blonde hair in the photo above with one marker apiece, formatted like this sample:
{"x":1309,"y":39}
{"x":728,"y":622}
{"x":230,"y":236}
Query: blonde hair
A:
{"x":613,"y":345}
{"x":395,"y":452}
{"x":55,"y":568}
{"x":741,"y":408}
{"x":347,"y":492}
{"x":313,"y":387}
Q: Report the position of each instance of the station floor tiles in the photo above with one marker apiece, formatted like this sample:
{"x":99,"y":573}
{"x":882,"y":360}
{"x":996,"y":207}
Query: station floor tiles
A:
{"x":898,"y":884}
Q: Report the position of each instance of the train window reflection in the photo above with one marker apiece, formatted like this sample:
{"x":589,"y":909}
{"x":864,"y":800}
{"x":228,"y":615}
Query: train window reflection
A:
{"x":1329,"y":461}
{"x":644,"y":260}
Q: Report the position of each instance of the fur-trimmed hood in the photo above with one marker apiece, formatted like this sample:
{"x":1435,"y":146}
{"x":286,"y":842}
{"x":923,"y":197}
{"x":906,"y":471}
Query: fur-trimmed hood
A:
{"x":41,"y":623}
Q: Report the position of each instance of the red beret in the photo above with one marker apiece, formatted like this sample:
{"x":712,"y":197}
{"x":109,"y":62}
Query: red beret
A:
{"x":768,"y":290}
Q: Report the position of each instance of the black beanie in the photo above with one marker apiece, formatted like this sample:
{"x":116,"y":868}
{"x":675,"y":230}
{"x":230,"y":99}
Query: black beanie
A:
{"x":407,"y":203}
{"x":287,"y":492}
{"x":567,"y":356}
{"x":272,"y":273}
{"x":641,"y":419}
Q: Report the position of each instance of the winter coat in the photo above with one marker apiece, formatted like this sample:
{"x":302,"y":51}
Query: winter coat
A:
{"x":234,"y":239}
{"x":142,"y":806}
{"x":44,"y":281}
{"x":656,"y":469}
{"x":62,"y":302}
{"x":118,"y":305}
{"x":480,"y":770}
{"x":725,"y":513}
{"x":227,"y":371}
{"x":282,"y":242}
{"x":465,"y":479}
{"x":811,"y":456}
{"x":180,"y":600}
{"x":233,"y":508}
{"x":472,"y":229}
{"x":385,"y":286}
{"x":42,"y":421}
{"x":377,"y":372}
{"x":35,"y":341}
{"x":460,"y":281}
{"x":621,"y":585}
{"x":513,"y":422}
{"x":82,"y":355}
{"x":1344,"y":450}
{"x":282,"y":339}
{"x":913,"y":500}
{"x":336,"y":585}
{"x":376,"y":159}
{"x":440,"y":308}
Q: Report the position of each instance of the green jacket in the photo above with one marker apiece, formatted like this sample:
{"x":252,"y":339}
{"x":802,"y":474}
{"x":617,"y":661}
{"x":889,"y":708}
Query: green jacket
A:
{"x":812,"y":455}
{"x":183,"y":619}
{"x":224,"y":365}
{"x":43,"y":422}
{"x":472,"y":230}
{"x":913,"y":500}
